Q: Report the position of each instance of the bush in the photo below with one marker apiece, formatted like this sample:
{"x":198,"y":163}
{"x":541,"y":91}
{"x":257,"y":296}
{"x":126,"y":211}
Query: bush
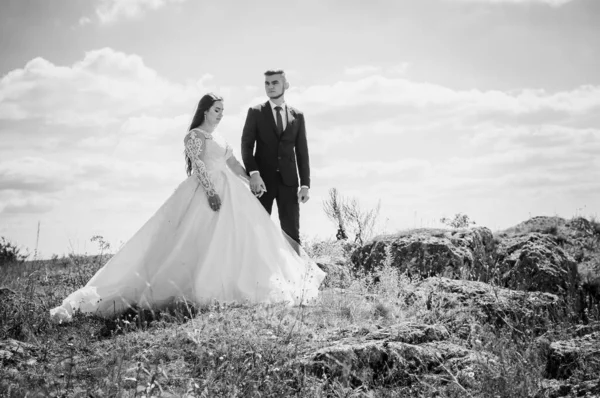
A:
{"x":10,"y":253}
{"x":595,"y":224}
{"x":348,"y":216}
{"x":459,"y":221}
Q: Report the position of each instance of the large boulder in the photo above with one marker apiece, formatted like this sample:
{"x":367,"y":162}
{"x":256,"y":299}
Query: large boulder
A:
{"x":534,"y":311}
{"x":16,"y":352}
{"x":564,"y":389}
{"x":458,"y":254}
{"x":395,"y":356}
{"x":575,"y":229}
{"x":535,"y":262}
{"x":581,"y":354}
{"x":337,"y":270}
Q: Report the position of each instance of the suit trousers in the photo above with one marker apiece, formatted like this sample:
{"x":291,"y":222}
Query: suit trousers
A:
{"x":287,"y":205}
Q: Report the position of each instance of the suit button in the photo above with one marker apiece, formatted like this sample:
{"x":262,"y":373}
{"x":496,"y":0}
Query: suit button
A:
{"x":279,"y":157}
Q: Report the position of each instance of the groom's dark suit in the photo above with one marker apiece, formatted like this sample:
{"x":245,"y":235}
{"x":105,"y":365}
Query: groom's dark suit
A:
{"x":280,"y":159}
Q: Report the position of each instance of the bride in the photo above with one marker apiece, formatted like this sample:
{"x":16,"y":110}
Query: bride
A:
{"x":211,"y":240}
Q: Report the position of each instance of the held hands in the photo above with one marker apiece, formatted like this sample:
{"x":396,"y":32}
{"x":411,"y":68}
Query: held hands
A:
{"x":214,"y":202}
{"x":257,"y":185}
{"x":303,"y":195}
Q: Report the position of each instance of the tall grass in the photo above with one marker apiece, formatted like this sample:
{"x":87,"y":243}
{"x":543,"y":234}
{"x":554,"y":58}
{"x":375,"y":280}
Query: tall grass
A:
{"x":241,"y":350}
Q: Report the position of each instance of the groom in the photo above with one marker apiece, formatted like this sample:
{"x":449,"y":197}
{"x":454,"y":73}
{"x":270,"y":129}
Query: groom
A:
{"x":279,"y":133}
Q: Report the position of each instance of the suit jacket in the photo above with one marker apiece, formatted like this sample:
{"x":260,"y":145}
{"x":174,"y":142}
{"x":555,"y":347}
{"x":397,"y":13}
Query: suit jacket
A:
{"x":286,"y":154}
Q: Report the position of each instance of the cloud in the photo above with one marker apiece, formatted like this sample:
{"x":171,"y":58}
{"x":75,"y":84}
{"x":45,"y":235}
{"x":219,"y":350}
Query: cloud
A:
{"x":33,"y":174}
{"x":362,"y":70}
{"x":406,"y":169}
{"x":125,"y":176}
{"x":84,"y":21}
{"x":31,"y":205}
{"x":105,"y":134}
{"x":409,"y":96}
{"x":109,"y":11}
{"x":427,"y":147}
{"x":552,"y":3}
{"x":399,"y":69}
{"x":506,"y":137}
{"x":103,"y":87}
{"x":154,"y":128}
{"x":369,"y":70}
{"x":105,"y":126}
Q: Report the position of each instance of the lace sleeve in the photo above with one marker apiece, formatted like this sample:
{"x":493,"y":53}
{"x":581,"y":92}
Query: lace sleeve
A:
{"x":193,"y":148}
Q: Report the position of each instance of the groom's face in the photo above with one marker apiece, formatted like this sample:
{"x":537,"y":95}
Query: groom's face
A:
{"x":275,"y":86}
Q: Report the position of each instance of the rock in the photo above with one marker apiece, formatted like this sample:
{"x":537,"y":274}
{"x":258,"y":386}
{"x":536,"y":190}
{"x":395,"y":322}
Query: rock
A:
{"x":410,"y":333}
{"x":535,"y":262}
{"x":560,"y":389}
{"x":579,"y":354}
{"x":532,"y":310}
{"x":543,"y":224}
{"x":337,"y":269}
{"x":13,"y":351}
{"x":458,"y":254}
{"x":6,"y":292}
{"x":394,"y":355}
{"x":582,"y":330}
{"x":575,"y":228}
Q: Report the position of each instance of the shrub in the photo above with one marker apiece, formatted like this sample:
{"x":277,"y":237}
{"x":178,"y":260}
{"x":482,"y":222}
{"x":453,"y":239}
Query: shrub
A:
{"x":10,"y":253}
{"x":348,"y":215}
{"x":459,"y":221}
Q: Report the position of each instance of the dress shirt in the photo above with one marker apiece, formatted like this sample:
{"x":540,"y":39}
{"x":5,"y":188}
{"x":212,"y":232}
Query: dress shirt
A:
{"x":283,"y":113}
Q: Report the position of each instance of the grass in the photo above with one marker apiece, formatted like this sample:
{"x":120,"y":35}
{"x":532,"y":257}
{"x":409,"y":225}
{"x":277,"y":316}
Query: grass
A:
{"x":242,"y":350}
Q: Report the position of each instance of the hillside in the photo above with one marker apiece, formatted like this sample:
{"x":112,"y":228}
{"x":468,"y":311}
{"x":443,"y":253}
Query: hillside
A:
{"x":422,"y":313}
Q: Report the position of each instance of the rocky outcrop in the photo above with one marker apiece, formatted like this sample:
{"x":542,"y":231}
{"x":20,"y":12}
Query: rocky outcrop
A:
{"x":532,"y":310}
{"x":573,"y":366}
{"x":410,"y":333}
{"x":565,"y":389}
{"x":459,"y":254}
{"x":337,"y":270}
{"x":17,"y":352}
{"x":394,"y":356}
{"x":576,"y":228}
{"x":566,"y":357}
{"x":535,"y":262}
{"x":535,"y":256}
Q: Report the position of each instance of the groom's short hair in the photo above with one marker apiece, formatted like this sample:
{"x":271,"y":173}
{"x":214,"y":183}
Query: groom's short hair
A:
{"x":272,"y":72}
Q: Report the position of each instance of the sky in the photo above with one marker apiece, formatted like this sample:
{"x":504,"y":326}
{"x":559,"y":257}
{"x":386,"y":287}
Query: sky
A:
{"x":489,"y":108}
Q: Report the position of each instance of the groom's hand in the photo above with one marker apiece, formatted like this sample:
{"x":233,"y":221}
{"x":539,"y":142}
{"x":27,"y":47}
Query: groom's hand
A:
{"x":257,"y":186}
{"x":303,"y":195}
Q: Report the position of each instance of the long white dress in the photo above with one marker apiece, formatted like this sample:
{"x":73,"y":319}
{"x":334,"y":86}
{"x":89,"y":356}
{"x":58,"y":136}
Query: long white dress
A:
{"x":187,"y":251}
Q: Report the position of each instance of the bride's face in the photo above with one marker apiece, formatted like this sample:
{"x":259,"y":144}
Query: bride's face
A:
{"x":215,"y":113}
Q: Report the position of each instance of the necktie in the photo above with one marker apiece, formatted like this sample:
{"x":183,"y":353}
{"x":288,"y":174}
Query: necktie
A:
{"x":279,"y":120}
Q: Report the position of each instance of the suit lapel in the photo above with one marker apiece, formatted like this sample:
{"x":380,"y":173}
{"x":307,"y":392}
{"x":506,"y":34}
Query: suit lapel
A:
{"x":290,"y":119}
{"x":268,"y":114}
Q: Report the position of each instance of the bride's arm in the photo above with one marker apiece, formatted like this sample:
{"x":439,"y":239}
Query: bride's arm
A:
{"x":194,"y":145}
{"x":237,"y":168}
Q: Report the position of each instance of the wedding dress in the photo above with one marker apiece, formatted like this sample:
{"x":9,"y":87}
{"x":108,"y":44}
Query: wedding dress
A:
{"x":187,"y":251}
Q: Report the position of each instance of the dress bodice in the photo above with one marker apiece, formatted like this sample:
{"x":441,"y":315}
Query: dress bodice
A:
{"x":210,"y":148}
{"x":208,"y":154}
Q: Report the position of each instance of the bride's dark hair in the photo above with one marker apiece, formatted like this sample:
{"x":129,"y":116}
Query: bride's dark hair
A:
{"x":206,"y":102}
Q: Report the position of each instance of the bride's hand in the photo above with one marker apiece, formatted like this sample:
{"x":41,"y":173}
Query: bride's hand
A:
{"x":214,"y":202}
{"x":257,"y":185}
